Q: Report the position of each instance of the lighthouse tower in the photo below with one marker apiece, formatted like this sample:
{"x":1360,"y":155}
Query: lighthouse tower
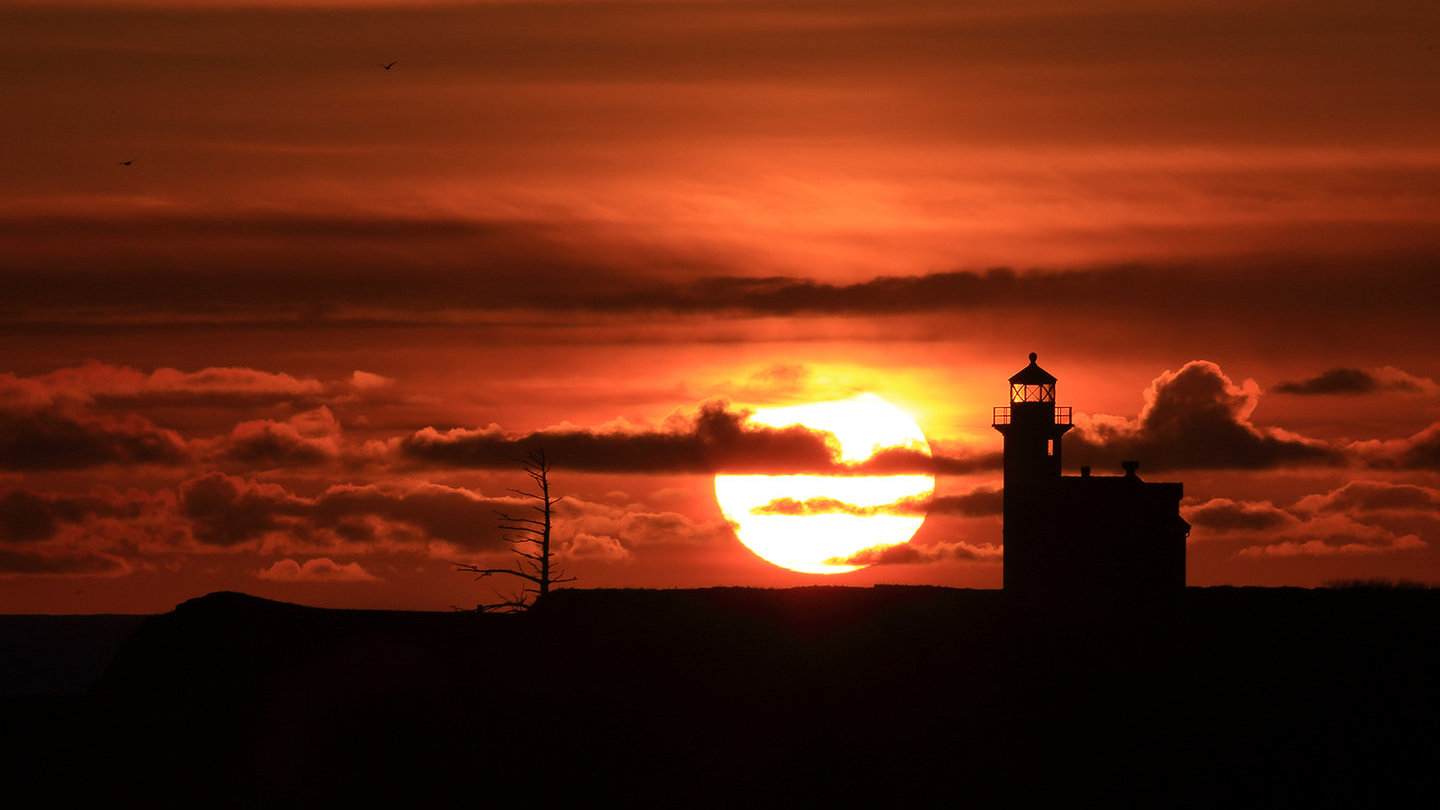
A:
{"x":1086,"y":537}
{"x":1033,"y":427}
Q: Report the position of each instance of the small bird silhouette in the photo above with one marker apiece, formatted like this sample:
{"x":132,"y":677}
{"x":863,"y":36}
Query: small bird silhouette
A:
{"x":392,"y":64}
{"x":126,"y":162}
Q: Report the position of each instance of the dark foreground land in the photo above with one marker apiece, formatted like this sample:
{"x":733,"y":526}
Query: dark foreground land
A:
{"x":733,"y":697}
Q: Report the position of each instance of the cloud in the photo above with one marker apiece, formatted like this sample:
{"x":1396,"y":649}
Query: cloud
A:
{"x":919,"y":506}
{"x":417,"y":513}
{"x":946,"y":459}
{"x":55,"y":421}
{"x":811,"y":506}
{"x":308,"y":438}
{"x":123,"y":386}
{"x":590,"y":546}
{"x":585,"y":525}
{"x":1224,"y":515}
{"x":86,"y":416}
{"x":63,"y":438}
{"x":821,"y":80}
{"x":618,"y":279}
{"x":103,"y":386}
{"x":320,"y":569}
{"x":1312,"y":527}
{"x":261,"y":268}
{"x":714,"y":439}
{"x":364,"y":381}
{"x":1194,"y":418}
{"x":979,"y":502}
{"x":914,"y":554}
{"x":1344,"y":541}
{"x":1356,"y":381}
{"x":1373,"y":496}
{"x":1420,"y":451}
{"x":30,"y":517}
{"x":431,"y":519}
{"x":220,"y":513}
{"x":1129,"y":293}
{"x":25,"y":517}
{"x":227,"y":511}
{"x":783,"y":295}
{"x":71,"y":563}
{"x":777,"y":381}
{"x":100,"y":533}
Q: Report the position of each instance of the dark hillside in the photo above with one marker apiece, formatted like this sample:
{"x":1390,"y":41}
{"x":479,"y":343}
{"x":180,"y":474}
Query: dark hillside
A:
{"x":710,"y":698}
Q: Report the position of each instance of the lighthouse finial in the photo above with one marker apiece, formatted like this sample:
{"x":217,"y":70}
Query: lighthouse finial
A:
{"x":1033,"y":356}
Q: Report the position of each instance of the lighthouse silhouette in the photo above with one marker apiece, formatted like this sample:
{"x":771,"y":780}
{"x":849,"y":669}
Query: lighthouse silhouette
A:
{"x":1080,"y":537}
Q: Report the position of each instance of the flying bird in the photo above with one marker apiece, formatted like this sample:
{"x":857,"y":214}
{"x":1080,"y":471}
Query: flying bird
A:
{"x":126,"y":162}
{"x":392,"y":64}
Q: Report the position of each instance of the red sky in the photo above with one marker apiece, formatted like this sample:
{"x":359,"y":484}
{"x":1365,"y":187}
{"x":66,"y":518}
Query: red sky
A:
{"x":287,"y":348}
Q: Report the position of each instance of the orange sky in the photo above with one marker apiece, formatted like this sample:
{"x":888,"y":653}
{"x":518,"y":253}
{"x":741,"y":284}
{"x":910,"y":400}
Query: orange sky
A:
{"x":601,"y":215}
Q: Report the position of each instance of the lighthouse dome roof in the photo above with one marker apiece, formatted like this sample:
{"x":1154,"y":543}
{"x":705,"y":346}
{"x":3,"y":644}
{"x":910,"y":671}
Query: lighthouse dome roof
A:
{"x":1032,"y":375}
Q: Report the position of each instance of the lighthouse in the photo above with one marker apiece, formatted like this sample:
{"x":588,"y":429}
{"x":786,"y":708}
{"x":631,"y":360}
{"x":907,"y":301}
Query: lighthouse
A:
{"x":1080,"y":537}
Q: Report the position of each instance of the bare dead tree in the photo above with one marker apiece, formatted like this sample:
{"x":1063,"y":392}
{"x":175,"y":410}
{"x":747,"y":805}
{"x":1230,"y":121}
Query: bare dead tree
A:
{"x":529,"y":538}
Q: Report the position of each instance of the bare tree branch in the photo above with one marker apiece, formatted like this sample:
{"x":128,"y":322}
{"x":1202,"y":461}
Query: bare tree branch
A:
{"x":529,"y":539}
{"x":485,"y":572}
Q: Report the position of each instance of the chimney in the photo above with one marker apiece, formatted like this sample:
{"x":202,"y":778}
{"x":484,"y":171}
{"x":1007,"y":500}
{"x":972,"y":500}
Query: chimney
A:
{"x":1130,"y":468}
{"x":1085,"y":471}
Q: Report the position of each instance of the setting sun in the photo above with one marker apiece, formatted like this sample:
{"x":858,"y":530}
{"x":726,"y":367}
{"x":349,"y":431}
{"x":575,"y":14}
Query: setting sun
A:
{"x":821,"y":524}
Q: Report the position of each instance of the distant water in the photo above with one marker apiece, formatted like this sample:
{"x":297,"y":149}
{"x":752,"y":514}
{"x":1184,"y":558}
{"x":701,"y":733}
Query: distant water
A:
{"x":58,"y":655}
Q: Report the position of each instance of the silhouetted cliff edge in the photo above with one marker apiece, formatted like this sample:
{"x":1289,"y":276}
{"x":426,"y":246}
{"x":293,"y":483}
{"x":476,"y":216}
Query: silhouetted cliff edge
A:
{"x":708,"y":698}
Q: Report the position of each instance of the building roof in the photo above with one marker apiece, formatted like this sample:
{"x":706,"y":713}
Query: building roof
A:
{"x":1032,"y":375}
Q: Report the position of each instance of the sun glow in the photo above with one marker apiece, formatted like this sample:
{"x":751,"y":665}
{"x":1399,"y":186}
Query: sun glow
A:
{"x":815,"y":523}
